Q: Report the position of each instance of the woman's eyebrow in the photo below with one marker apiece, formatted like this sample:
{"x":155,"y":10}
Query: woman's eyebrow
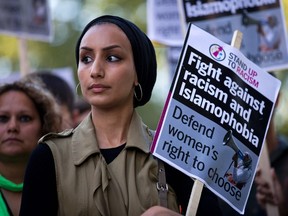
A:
{"x":111,"y":47}
{"x":86,"y":48}
{"x":105,"y":48}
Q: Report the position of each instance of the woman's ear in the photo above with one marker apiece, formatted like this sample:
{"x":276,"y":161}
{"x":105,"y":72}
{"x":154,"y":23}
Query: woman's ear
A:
{"x":136,"y":81}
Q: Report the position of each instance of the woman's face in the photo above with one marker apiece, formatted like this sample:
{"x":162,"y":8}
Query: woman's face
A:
{"x":20,"y":126}
{"x":106,"y":68}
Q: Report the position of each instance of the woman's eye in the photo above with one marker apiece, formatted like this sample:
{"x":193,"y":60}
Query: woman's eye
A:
{"x":112,"y":58}
{"x":25,"y":118}
{"x":86,"y":59}
{"x":3,"y":118}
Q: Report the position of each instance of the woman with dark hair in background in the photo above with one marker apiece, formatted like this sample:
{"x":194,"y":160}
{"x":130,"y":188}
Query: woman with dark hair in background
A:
{"x":27,"y":112}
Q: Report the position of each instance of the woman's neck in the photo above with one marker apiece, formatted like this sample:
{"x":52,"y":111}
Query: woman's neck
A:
{"x":12,"y":192}
{"x":111,"y":127}
{"x":13,"y":171}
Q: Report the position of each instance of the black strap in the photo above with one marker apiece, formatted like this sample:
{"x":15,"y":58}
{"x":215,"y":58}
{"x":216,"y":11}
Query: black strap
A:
{"x":162,"y":186}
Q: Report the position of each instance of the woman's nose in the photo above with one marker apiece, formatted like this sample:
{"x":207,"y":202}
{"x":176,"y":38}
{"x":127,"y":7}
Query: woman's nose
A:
{"x":13,"y":125}
{"x":97,"y":69}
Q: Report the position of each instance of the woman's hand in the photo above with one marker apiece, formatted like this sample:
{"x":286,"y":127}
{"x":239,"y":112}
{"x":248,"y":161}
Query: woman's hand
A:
{"x":265,"y":193}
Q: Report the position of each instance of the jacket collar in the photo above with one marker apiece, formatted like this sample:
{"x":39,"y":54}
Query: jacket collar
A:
{"x":84,"y":141}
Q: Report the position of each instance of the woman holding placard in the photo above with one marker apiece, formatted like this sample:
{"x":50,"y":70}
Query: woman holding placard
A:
{"x":104,"y":165}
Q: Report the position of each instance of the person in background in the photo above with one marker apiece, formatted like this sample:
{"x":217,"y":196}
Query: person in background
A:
{"x":264,"y":194}
{"x":62,"y":92}
{"x":277,"y":146}
{"x":27,"y":112}
{"x":104,"y":166}
{"x":81,"y":109}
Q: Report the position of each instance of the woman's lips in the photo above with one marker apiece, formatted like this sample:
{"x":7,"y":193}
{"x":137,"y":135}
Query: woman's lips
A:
{"x":97,"y":88}
{"x":11,"y":140}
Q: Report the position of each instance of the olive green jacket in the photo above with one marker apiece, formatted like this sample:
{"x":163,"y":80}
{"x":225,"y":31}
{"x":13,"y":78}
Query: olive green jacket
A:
{"x":86,"y":185}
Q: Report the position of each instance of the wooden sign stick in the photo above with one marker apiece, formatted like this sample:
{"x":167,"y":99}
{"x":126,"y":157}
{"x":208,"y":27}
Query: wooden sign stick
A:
{"x":23,"y":57}
{"x":237,"y":39}
{"x":194,"y":198}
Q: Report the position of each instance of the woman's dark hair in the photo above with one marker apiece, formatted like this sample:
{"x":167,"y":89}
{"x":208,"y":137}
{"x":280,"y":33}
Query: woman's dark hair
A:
{"x":143,"y":53}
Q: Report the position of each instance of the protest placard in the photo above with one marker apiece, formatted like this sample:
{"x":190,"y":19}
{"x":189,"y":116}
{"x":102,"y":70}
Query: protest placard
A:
{"x":25,"y":20}
{"x":29,"y":19}
{"x":216,"y":116}
{"x":163,"y":22}
{"x":261,"y":22}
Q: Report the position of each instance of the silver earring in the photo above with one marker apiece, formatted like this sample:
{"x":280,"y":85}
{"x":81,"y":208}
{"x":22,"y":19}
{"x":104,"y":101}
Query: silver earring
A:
{"x":141,"y":93}
{"x":76,"y":89}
